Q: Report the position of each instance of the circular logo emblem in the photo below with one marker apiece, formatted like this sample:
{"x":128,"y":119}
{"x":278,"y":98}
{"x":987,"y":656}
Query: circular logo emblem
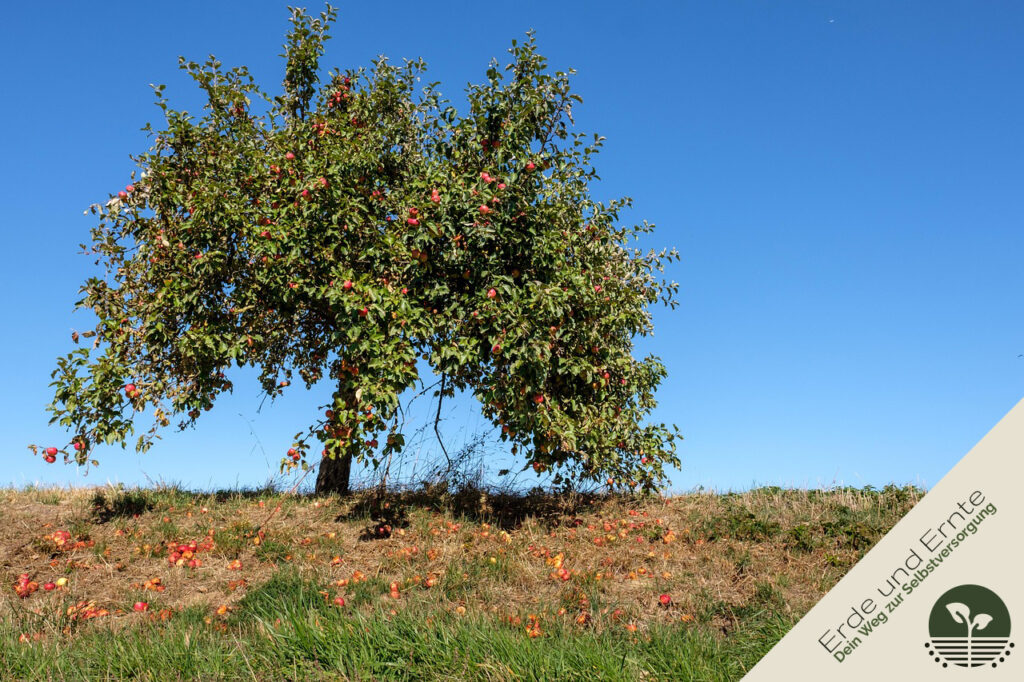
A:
{"x":969,"y":627}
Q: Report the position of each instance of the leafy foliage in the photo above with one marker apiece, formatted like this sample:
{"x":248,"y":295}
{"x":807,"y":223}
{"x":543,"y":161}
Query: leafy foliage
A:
{"x":350,"y":228}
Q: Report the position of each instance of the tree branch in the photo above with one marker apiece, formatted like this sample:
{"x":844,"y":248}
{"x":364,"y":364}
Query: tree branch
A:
{"x":437,"y":420}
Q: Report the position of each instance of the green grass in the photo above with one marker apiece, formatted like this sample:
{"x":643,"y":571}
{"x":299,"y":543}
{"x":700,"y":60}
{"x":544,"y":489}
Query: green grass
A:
{"x":286,"y":630}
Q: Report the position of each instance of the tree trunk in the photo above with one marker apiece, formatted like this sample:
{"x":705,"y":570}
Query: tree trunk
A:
{"x":333,"y":475}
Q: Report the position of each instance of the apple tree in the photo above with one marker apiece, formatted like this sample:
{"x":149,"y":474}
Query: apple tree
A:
{"x":357,"y":229}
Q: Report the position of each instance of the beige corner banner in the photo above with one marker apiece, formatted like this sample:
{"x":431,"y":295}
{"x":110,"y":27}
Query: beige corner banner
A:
{"x":940,"y":597}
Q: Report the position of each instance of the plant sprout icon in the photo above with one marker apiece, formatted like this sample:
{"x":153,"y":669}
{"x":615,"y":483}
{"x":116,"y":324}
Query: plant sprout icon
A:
{"x":962,"y":614}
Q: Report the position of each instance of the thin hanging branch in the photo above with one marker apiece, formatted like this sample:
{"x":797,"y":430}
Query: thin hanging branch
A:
{"x":437,"y":420}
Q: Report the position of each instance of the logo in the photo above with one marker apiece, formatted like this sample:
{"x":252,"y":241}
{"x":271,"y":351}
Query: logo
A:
{"x":969,"y":627}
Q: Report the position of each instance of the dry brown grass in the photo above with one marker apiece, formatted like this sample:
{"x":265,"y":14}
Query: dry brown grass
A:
{"x":718,"y":556}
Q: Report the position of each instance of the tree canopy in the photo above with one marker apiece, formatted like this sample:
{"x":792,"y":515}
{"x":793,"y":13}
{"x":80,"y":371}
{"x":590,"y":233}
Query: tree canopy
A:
{"x":357,"y":229}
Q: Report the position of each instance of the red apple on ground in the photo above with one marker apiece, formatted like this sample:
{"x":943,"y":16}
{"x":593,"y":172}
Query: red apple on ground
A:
{"x":665,"y":600}
{"x":141,"y":606}
{"x":49,"y":586}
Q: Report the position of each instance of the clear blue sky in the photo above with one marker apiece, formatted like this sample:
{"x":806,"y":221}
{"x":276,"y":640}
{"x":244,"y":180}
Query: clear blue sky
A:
{"x":843,"y":180}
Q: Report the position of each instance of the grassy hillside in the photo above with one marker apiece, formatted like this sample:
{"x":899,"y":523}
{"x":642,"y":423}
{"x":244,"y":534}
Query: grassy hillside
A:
{"x":435,"y":585}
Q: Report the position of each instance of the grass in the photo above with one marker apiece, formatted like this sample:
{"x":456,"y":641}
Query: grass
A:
{"x":461,"y":586}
